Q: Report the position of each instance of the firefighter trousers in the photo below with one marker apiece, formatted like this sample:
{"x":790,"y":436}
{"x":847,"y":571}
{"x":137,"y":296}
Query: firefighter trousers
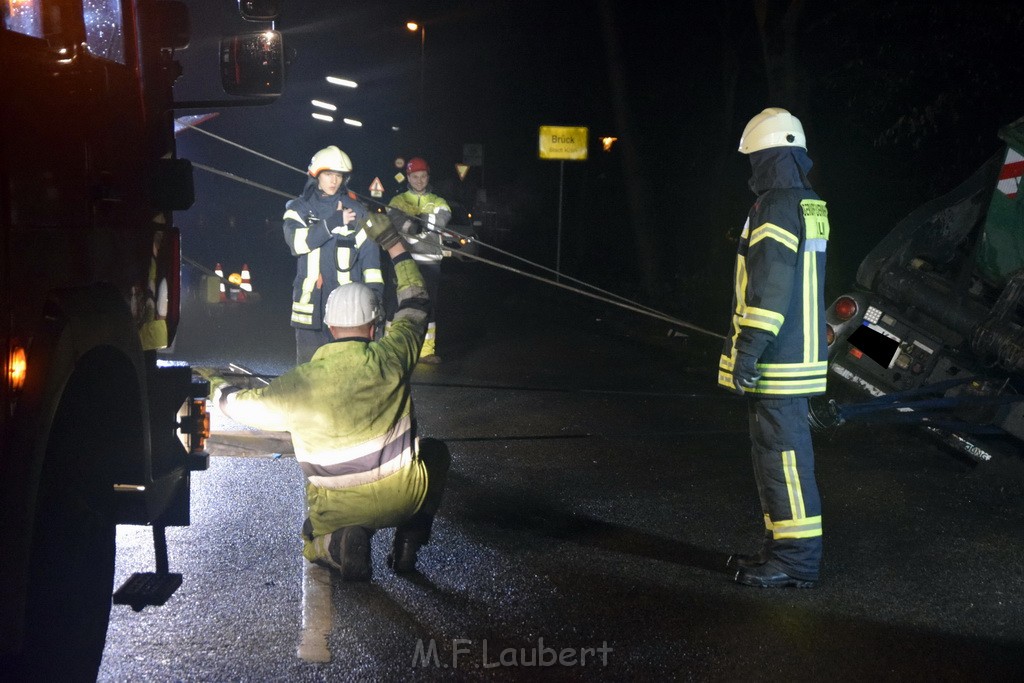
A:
{"x":406,"y":500}
{"x":783,"y":459}
{"x":431,"y":272}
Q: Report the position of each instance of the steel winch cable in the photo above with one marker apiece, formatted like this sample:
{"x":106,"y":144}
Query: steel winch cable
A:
{"x":240,"y":179}
{"x":628,"y":306}
{"x":468,"y":238}
{"x":235,"y":371}
{"x":601,"y":295}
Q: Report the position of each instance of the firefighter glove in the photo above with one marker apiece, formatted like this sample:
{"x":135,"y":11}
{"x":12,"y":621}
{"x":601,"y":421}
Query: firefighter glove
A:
{"x":336,"y":222}
{"x":744,"y":372}
{"x":403,"y":222}
{"x":378,"y":228}
{"x":205,"y":373}
{"x":212,"y":376}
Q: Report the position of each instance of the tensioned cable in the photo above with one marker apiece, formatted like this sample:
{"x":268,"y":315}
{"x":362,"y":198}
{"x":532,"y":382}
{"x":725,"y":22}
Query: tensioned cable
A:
{"x":237,"y":371}
{"x":635,"y":309}
{"x":619,"y":300}
{"x":240,"y":179}
{"x":474,"y":240}
{"x":245,"y":149}
{"x":381,"y":204}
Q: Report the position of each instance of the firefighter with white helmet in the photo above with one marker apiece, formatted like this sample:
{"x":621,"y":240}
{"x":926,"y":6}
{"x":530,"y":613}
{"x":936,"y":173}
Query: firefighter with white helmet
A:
{"x":351,"y":418}
{"x":320,"y":228}
{"x":775,"y":352}
{"x":773,"y":127}
{"x":419,"y":214}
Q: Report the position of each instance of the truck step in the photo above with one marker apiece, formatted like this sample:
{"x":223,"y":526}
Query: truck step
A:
{"x":147,"y":588}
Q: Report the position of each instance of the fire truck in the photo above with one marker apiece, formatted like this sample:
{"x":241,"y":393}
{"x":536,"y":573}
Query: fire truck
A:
{"x":933,"y":334}
{"x":95,"y":431}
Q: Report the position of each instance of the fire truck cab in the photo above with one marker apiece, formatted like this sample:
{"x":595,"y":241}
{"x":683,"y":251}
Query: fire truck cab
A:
{"x":94,"y":431}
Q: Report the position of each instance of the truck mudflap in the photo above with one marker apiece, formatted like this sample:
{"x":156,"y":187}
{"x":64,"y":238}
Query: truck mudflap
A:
{"x":179,"y":428}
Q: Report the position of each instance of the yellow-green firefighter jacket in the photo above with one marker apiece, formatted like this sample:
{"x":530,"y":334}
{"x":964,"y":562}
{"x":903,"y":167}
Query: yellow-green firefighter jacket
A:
{"x":349,"y":409}
{"x":778,"y":313}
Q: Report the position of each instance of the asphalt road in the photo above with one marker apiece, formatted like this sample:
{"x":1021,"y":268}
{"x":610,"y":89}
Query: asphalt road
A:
{"x":599,"y":481}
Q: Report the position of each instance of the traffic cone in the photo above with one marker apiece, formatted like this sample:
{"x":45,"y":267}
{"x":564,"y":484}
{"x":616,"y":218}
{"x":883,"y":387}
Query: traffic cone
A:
{"x":246,"y":286}
{"x":219,"y":272}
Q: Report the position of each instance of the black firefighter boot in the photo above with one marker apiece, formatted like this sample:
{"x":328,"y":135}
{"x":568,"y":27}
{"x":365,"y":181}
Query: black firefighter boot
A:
{"x":741,"y":560}
{"x":402,"y":558}
{"x":349,"y":549}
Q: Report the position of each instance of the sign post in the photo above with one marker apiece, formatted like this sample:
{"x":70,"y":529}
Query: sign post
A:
{"x":562,"y":143}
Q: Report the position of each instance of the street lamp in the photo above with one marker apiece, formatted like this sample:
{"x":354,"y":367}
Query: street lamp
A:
{"x":324,"y":105}
{"x":334,"y":80}
{"x":414,"y":26}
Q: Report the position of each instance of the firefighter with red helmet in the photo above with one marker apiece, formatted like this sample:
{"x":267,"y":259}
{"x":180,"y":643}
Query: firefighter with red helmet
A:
{"x":321,"y":230}
{"x":419,"y":215}
{"x":776,"y":352}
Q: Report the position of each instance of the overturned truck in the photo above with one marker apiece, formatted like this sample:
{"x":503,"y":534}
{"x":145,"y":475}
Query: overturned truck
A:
{"x":932,"y":334}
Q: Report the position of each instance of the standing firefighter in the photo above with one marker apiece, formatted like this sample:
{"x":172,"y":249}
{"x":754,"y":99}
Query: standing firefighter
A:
{"x":350,"y":415}
{"x":419,"y":214}
{"x":775,"y":352}
{"x":320,"y":227}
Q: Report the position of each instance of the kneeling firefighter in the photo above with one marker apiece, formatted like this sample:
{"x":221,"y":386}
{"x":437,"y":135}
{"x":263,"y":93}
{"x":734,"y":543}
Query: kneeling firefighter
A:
{"x":351,"y":418}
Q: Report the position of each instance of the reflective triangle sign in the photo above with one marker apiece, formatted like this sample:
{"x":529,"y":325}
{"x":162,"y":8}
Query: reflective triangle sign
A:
{"x":377,"y":188}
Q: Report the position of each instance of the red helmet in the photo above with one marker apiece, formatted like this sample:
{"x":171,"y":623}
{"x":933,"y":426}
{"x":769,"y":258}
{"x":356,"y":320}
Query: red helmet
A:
{"x":416,"y":164}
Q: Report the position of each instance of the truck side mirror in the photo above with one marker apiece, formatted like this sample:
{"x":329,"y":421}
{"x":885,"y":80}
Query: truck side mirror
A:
{"x":252,"y":64}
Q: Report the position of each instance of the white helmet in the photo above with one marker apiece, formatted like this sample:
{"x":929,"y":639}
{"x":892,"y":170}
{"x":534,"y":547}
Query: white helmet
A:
{"x":773,"y":127}
{"x":352,"y":305}
{"x":330,"y":159}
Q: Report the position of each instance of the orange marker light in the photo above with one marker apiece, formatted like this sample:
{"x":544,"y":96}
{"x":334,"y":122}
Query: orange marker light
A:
{"x":17,"y":367}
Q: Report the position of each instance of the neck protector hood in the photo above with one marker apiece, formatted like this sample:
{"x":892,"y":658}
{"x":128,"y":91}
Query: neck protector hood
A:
{"x":780,"y":168}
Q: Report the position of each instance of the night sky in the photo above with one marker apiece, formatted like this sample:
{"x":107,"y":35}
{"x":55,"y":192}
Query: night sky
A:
{"x":900,"y":100}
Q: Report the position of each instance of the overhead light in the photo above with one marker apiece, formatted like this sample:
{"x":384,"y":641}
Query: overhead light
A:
{"x":353,"y":122}
{"x":324,"y":105}
{"x":412,"y":26}
{"x":323,"y":117}
{"x":342,"y":81}
{"x":395,"y":128}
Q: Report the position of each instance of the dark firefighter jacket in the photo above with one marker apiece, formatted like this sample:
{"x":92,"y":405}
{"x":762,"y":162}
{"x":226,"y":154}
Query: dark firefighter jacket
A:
{"x":326,"y":259}
{"x":778,"y":313}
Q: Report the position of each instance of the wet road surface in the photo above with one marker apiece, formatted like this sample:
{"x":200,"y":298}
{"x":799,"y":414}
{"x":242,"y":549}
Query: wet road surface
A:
{"x":599,"y":481}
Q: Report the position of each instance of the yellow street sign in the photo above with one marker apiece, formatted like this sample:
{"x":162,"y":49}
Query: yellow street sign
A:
{"x":563,"y":142}
{"x":461,"y":169}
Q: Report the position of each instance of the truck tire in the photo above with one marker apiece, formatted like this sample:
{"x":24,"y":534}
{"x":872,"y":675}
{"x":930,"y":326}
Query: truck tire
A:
{"x":72,"y":557}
